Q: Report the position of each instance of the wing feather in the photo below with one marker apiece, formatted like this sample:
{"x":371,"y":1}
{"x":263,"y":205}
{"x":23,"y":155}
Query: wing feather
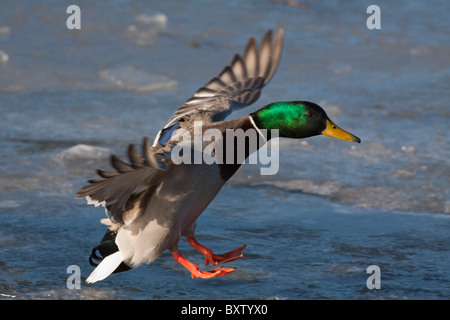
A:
{"x":251,"y":58}
{"x":134,"y":156}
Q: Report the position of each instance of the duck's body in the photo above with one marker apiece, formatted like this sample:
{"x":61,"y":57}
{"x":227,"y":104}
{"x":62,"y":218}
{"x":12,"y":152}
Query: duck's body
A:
{"x":180,"y":195}
{"x":179,"y":202}
{"x":155,"y":200}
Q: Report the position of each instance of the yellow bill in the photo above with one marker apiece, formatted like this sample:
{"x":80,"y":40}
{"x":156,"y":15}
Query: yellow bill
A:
{"x":334,"y":131}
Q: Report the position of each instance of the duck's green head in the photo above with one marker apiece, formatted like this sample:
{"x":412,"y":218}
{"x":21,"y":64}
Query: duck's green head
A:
{"x":299,"y":119}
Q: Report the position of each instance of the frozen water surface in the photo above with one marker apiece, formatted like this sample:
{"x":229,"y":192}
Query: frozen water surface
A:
{"x":69,"y":98}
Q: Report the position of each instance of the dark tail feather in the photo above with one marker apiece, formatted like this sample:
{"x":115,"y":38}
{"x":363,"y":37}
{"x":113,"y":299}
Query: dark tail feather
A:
{"x":106,"y":247}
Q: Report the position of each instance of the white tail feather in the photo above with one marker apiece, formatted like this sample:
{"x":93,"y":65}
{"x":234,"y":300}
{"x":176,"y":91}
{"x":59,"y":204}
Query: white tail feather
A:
{"x":106,"y":267}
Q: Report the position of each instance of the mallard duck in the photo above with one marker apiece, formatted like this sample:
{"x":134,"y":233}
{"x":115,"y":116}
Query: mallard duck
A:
{"x":153,"y":201}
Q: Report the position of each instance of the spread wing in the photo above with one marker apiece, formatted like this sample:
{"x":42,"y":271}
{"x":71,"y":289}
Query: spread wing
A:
{"x":237,"y":86}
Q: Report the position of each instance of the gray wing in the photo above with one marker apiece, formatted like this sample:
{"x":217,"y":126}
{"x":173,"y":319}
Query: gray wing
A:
{"x":125,"y":193}
{"x":237,"y":86}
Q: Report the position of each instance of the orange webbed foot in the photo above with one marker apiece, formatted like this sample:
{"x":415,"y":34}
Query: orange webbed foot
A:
{"x":215,"y":259}
{"x":196,"y":272}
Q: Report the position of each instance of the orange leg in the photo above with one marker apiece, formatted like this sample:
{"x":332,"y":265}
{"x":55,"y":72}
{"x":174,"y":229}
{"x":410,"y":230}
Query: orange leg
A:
{"x":215,"y":259}
{"x":195,"y":271}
